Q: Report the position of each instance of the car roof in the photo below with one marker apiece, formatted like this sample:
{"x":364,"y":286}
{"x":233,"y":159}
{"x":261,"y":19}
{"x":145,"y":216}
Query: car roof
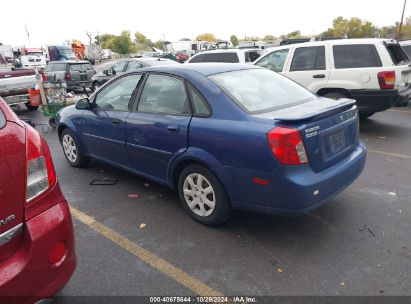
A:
{"x":70,"y":61}
{"x":148,"y":59}
{"x":228,"y":50}
{"x":331,"y":42}
{"x":205,"y":69}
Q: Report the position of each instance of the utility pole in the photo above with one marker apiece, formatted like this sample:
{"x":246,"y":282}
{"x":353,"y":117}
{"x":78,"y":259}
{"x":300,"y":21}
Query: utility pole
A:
{"x":402,"y":19}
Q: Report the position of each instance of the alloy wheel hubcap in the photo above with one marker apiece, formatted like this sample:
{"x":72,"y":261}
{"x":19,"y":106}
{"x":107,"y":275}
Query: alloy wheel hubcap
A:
{"x":69,"y":147}
{"x":199,"y":194}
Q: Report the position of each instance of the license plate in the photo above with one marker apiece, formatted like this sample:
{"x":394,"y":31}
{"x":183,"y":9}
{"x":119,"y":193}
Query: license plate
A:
{"x":337,"y":141}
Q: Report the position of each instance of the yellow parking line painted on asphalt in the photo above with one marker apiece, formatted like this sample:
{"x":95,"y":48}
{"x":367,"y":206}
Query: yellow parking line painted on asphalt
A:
{"x":390,"y":154}
{"x":198,"y":287}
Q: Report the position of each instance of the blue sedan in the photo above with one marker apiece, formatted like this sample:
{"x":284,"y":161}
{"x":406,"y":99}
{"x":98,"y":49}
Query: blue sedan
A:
{"x":225,"y":136}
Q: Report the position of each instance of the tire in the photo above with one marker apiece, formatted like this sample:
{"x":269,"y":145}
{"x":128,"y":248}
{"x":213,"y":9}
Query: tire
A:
{"x":194,"y":203}
{"x":30,"y":107}
{"x":52,"y":122}
{"x":76,"y":157}
{"x":365,"y":115}
{"x":95,"y":86}
{"x":335,"y":95}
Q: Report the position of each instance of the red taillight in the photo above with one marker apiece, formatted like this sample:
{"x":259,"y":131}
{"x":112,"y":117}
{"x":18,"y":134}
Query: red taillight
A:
{"x":41,"y":175}
{"x":287,"y":146}
{"x":67,"y":77}
{"x":57,"y":252}
{"x":386,"y":80}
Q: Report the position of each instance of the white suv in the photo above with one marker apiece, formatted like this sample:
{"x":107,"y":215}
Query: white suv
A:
{"x":227,"y":55}
{"x":374,"y":72}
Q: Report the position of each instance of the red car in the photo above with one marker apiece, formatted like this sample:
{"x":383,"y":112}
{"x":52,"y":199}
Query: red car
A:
{"x":182,"y":56}
{"x":37,"y":255}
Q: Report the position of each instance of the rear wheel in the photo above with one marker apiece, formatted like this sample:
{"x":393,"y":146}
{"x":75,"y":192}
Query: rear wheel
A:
{"x":203,"y":196}
{"x":335,"y":95}
{"x":30,"y":107}
{"x":72,"y":150}
{"x":365,"y":115}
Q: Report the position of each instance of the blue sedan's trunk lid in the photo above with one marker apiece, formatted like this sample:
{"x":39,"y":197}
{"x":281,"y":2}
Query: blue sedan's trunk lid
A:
{"x":329,"y":128}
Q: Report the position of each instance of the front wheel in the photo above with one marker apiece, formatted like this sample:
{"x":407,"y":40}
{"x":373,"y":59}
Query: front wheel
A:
{"x":72,"y":150}
{"x":203,"y":196}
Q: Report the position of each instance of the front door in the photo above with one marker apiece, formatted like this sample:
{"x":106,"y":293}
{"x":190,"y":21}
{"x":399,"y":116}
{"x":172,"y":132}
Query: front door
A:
{"x":157,"y":132}
{"x":104,"y":126}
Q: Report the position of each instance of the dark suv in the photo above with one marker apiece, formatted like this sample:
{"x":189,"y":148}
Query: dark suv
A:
{"x":77,"y":74}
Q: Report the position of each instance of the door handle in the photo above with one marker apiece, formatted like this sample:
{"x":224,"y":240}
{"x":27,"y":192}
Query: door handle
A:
{"x":115,"y":121}
{"x":172,"y":128}
{"x":319,"y":76}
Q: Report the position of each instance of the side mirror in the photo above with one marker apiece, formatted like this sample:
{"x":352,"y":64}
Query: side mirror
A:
{"x":113,"y":71}
{"x":83,"y":104}
{"x":105,"y":72}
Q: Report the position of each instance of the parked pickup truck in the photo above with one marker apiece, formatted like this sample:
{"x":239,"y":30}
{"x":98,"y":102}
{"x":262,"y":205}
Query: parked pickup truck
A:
{"x":14,"y":85}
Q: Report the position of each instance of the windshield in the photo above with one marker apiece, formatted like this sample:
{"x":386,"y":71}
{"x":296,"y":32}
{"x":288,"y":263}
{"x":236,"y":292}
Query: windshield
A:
{"x":259,"y":90}
{"x":66,"y":52}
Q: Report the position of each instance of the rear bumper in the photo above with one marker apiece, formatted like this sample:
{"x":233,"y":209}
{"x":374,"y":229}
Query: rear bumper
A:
{"x":371,"y":101}
{"x":78,"y":84}
{"x":292,"y":189}
{"x":27,"y":276}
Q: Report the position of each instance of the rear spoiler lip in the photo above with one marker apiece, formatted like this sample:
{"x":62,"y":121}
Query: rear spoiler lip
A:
{"x":290,"y":115}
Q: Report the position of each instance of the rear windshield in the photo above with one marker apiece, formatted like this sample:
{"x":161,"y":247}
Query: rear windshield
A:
{"x":397,"y":54}
{"x":229,"y":57}
{"x":356,"y":56}
{"x":81,"y":67}
{"x":56,"y":67}
{"x":260,"y":90}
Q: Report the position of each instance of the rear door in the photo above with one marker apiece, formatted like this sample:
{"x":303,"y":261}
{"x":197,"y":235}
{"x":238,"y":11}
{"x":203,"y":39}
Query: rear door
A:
{"x":12,"y":182}
{"x":157,"y":132}
{"x":309,"y":67}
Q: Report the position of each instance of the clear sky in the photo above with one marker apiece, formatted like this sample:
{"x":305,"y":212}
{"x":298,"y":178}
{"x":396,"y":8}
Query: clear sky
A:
{"x":52,"y":22}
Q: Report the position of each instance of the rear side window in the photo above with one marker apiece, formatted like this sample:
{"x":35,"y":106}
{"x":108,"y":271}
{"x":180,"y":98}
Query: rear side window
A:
{"x":397,"y":54}
{"x":407,"y":49}
{"x":200,"y":105}
{"x":221,"y":57}
{"x":356,"y":56}
{"x":197,"y":59}
{"x":251,"y":56}
{"x":308,"y":59}
{"x":163,"y":94}
{"x":2,"y":120}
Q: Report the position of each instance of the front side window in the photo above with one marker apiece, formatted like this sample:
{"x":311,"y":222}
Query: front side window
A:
{"x":274,"y":61}
{"x":119,"y":66}
{"x":116,"y":96}
{"x":134,"y":65}
{"x":260,"y":90}
{"x":308,"y":59}
{"x":355,"y":56}
{"x":163,"y":94}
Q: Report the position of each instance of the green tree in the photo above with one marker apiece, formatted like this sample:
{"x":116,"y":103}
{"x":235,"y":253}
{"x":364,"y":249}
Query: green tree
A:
{"x":122,"y":44}
{"x":159,"y":44}
{"x":206,"y":37}
{"x":293,"y":35}
{"x":234,"y":40}
{"x":353,"y":28}
{"x":269,"y":38}
{"x":106,"y":40}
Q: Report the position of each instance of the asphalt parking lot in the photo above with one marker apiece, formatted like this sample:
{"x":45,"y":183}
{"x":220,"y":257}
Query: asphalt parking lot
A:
{"x":357,"y":244}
